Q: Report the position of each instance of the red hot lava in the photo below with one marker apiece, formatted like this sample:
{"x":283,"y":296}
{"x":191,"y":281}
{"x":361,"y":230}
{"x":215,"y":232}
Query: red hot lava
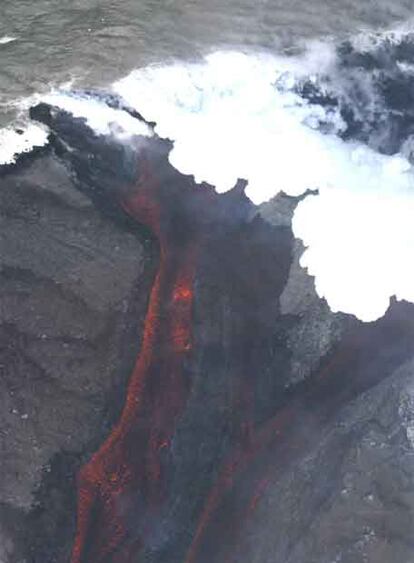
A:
{"x":128,"y":469}
{"x":123,"y":488}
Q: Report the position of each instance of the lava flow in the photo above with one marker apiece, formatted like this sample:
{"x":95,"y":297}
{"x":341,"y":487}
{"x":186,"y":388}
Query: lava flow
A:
{"x":124,"y":480}
{"x":204,"y":436}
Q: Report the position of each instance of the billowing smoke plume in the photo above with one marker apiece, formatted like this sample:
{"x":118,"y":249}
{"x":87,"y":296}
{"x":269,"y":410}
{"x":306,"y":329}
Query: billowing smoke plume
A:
{"x":317,"y":122}
{"x":239,"y":116}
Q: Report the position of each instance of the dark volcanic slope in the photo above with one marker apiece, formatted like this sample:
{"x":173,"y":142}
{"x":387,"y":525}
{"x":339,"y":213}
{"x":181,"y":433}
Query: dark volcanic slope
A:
{"x":258,"y":427}
{"x":73,"y":293}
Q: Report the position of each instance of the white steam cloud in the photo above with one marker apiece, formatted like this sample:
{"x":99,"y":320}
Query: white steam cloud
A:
{"x":104,"y":120}
{"x":14,"y":142}
{"x":228,"y":121}
{"x":237,"y":116}
{"x":7,"y":39}
{"x":360,"y":247}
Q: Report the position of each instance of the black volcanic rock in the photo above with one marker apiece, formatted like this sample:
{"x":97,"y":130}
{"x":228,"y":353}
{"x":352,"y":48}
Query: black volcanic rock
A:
{"x":372,"y":90}
{"x":350,"y":496}
{"x":295,"y":442}
{"x":73,"y":294}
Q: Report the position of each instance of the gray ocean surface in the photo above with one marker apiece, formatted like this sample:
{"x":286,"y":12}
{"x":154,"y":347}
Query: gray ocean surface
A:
{"x":94,"y":42}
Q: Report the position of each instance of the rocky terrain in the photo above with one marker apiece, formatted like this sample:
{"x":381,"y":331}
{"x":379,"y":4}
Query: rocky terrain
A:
{"x":74,"y":291}
{"x":295,"y":441}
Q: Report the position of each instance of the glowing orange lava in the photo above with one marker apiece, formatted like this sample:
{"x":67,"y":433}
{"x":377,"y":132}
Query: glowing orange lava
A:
{"x":125,"y":475}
